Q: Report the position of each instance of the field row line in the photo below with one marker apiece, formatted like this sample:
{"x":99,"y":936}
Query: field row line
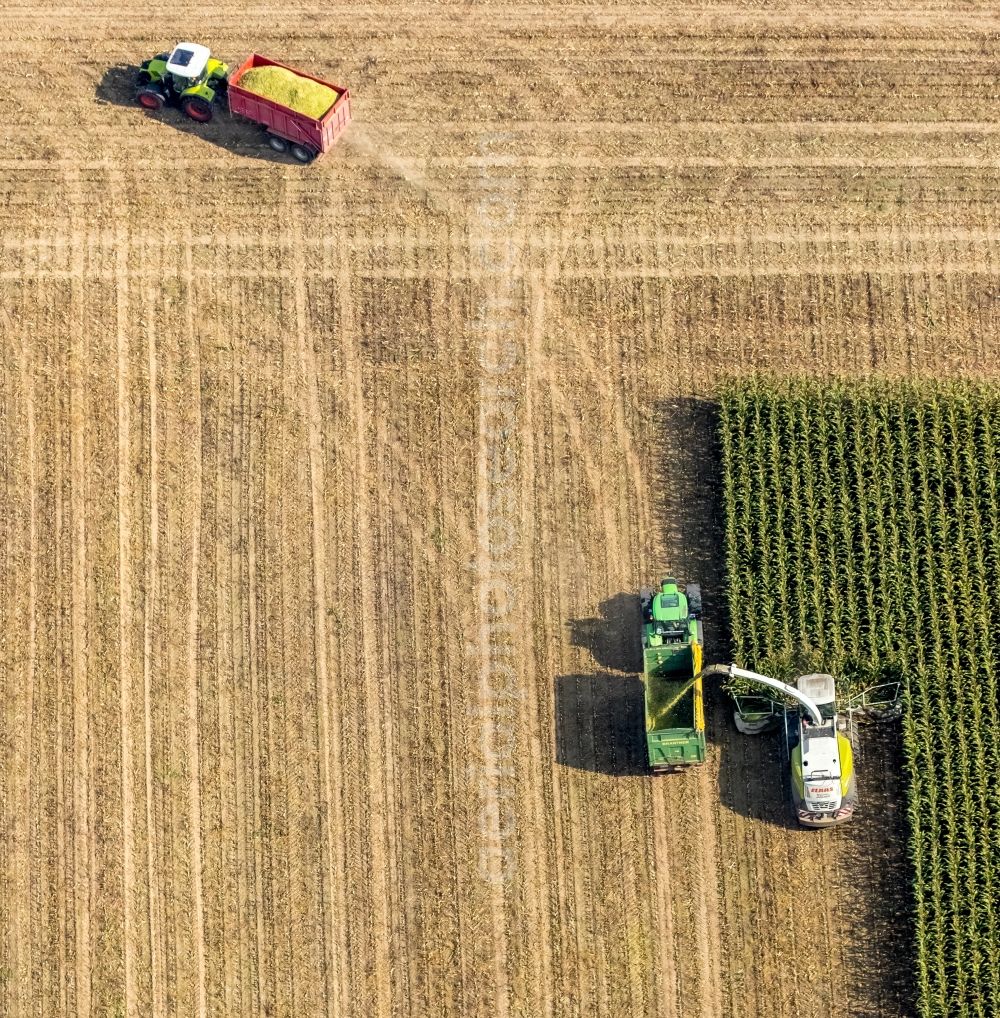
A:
{"x":106,"y":240}
{"x":781,"y":128}
{"x":974,"y":266}
{"x":578,"y":162}
{"x":563,"y":13}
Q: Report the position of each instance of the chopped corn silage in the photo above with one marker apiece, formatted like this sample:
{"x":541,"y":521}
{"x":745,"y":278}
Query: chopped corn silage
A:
{"x":289,"y":89}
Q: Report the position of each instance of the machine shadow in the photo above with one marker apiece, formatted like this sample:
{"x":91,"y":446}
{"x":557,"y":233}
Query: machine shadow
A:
{"x":753,"y":779}
{"x":612,"y":637}
{"x":688,"y":484}
{"x":885,"y":895}
{"x":600,"y":723}
{"x":600,"y":718}
{"x":117,"y":88}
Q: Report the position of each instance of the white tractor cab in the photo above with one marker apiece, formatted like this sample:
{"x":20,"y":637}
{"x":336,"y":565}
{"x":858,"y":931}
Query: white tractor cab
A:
{"x":187,"y":62}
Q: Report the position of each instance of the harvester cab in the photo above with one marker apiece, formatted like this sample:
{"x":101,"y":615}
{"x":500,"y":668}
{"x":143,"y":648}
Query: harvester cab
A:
{"x":188,"y":76}
{"x":821,"y":754}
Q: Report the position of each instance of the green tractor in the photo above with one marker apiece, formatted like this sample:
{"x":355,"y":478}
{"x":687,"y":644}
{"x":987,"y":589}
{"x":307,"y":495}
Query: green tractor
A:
{"x":189,"y":77}
{"x":671,"y":665}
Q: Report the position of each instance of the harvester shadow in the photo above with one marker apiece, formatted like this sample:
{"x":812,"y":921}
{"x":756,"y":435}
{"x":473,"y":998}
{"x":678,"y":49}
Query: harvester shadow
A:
{"x":882,"y":899}
{"x":599,"y":724}
{"x":752,"y":779}
{"x":117,"y":88}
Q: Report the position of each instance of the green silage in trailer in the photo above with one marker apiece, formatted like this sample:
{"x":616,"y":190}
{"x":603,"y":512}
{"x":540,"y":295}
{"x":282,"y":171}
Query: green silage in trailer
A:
{"x":285,"y":87}
{"x":869,"y":514}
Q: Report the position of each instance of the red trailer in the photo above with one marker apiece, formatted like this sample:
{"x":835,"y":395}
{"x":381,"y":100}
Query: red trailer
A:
{"x":287,"y":130}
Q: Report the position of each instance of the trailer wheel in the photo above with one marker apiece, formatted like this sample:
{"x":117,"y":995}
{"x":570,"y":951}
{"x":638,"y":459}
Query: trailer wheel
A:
{"x":150,"y":98}
{"x":303,"y":154}
{"x":278,"y":144}
{"x":197,"y":108}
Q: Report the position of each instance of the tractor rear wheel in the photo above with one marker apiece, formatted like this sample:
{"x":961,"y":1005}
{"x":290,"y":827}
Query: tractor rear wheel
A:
{"x":197,"y":108}
{"x":150,"y":97}
{"x":278,"y":144}
{"x":303,"y":154}
{"x":143,"y":78}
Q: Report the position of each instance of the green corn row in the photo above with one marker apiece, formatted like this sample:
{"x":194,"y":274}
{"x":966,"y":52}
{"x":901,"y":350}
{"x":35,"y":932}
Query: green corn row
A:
{"x":862,"y":538}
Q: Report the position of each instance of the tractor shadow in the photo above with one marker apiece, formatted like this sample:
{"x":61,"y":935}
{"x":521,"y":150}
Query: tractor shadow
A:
{"x":612,"y":637}
{"x":600,"y":717}
{"x":117,"y":88}
{"x":600,"y":724}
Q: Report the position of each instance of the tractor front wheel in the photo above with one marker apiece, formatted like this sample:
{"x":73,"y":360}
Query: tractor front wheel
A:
{"x":150,"y":98}
{"x":197,"y":108}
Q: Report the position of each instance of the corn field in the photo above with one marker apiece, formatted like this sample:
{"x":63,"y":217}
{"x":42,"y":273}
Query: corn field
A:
{"x":862,"y":531}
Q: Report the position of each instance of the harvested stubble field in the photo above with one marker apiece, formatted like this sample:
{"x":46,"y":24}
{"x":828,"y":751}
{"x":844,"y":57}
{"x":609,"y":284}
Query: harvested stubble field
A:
{"x":326,"y":492}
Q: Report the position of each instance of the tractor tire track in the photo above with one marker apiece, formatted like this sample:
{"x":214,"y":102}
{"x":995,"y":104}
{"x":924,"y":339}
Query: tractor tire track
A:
{"x":151,"y":603}
{"x":195,"y":808}
{"x":83,"y":834}
{"x":382,"y":784}
{"x":127,"y":707}
{"x":25,"y":698}
{"x":331,"y":770}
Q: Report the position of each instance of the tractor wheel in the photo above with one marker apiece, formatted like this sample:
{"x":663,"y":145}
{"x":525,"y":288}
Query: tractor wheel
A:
{"x":150,"y":98}
{"x":197,"y":108}
{"x":278,"y":144}
{"x":303,"y":154}
{"x":143,"y":78}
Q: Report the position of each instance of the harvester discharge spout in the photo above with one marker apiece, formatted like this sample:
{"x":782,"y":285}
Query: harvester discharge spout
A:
{"x":733,"y":671}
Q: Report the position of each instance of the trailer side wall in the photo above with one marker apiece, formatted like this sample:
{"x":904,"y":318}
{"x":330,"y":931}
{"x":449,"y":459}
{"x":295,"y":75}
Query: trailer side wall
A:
{"x":318,"y":135}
